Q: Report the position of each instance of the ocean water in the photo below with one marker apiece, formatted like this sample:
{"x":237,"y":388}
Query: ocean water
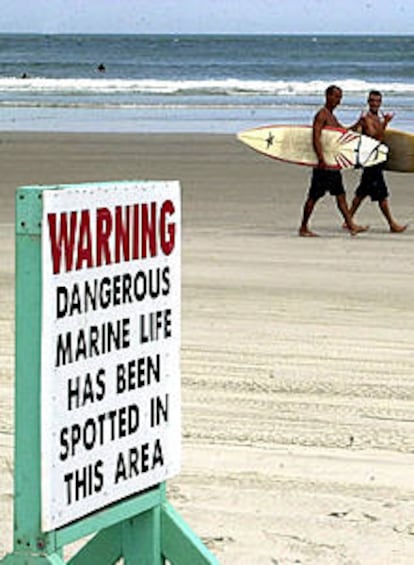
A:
{"x":199,"y":83}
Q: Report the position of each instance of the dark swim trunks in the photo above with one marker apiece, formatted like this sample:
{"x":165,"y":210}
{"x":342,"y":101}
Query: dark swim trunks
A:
{"x":324,"y":180}
{"x":372,"y":184}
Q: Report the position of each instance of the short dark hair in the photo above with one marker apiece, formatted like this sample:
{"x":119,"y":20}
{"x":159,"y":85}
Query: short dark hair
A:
{"x":375,"y":93}
{"x":331,"y":88}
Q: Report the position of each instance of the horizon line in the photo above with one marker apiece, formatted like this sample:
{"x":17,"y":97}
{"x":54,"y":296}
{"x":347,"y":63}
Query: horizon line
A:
{"x":222,"y":33}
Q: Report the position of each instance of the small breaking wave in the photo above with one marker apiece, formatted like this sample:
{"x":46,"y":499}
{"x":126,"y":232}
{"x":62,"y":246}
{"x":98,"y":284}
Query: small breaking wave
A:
{"x":225,"y":87}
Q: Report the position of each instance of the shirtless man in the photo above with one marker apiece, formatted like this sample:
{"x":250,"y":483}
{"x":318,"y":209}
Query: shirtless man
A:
{"x":323,"y":178}
{"x":372,"y":182}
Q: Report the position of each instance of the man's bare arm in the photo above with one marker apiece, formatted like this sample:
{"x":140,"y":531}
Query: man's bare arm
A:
{"x":318,"y":124}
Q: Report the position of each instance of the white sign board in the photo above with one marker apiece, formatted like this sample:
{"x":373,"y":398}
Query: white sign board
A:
{"x":110,"y":379}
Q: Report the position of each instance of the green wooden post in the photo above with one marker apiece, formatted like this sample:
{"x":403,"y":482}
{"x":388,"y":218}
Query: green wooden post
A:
{"x":179,"y":544}
{"x":145,"y":529}
{"x":105,"y":547}
{"x":28,"y":536}
{"x":141,"y":539}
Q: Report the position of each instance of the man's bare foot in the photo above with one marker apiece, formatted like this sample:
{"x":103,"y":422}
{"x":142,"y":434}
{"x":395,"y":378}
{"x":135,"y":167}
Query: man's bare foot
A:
{"x":357,"y":229}
{"x":305,"y":232}
{"x":396,"y":228}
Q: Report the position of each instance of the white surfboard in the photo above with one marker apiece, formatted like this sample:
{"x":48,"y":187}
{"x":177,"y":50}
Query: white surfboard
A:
{"x":342,"y":148}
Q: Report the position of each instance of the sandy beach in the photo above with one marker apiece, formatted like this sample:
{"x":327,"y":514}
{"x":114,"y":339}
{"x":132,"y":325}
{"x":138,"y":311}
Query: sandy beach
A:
{"x":297,"y":353}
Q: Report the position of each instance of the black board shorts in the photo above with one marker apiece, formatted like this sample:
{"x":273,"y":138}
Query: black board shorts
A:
{"x":373,"y":184}
{"x":325,"y":180}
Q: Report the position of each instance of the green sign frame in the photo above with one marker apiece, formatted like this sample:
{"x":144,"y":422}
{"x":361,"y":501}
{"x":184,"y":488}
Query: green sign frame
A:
{"x":144,"y":529}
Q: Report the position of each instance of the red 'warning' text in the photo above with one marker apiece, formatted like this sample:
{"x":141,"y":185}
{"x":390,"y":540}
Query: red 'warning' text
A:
{"x":80,"y":239}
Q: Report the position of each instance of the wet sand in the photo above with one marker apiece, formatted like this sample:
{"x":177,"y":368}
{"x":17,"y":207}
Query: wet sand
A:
{"x":297,"y":353}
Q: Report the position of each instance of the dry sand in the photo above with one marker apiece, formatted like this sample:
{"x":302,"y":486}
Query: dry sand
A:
{"x":297,"y":354}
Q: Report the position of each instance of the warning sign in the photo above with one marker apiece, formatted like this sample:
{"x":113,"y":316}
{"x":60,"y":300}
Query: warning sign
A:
{"x":110,"y":379}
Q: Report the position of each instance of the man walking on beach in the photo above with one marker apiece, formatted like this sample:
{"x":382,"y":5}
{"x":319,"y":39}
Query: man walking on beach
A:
{"x":372,"y":183}
{"x":323,"y":178}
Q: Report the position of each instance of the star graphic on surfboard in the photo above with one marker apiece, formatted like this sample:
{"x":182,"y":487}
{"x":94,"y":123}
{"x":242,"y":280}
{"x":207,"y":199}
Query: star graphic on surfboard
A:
{"x":270,"y":139}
